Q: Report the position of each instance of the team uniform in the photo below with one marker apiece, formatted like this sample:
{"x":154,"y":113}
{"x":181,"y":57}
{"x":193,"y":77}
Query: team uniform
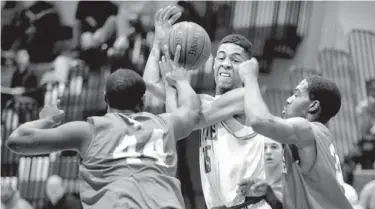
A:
{"x":229,"y":152}
{"x":322,"y":186}
{"x":131,"y":163}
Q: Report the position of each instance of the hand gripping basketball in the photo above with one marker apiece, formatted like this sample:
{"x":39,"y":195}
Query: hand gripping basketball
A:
{"x":51,"y":112}
{"x":164,"y":19}
{"x":170,"y":70}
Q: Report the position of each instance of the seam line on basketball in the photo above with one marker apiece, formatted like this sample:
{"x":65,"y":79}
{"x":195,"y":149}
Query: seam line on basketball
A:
{"x":186,"y":46}
{"x":204,"y":41}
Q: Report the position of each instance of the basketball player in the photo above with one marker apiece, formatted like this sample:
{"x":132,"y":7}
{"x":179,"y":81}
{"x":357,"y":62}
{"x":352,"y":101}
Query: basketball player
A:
{"x":230,"y":151}
{"x":128,"y":157}
{"x":312,"y":173}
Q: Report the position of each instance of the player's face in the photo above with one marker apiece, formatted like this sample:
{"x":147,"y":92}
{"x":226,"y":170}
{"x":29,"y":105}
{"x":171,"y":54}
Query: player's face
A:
{"x":298,"y":104}
{"x":273,"y":153}
{"x":227,"y":59}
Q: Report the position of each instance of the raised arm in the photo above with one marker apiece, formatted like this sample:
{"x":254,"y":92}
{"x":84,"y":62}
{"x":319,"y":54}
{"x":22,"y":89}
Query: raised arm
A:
{"x":155,"y":92}
{"x":39,"y":136}
{"x":296,"y":131}
{"x":31,"y":139}
{"x":184,"y":118}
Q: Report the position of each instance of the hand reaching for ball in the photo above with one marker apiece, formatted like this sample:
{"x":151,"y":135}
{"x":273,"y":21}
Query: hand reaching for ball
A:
{"x":164,"y":19}
{"x":249,"y":69}
{"x":170,"y":70}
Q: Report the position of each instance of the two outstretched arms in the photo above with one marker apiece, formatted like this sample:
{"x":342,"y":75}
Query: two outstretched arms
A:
{"x":160,"y":93}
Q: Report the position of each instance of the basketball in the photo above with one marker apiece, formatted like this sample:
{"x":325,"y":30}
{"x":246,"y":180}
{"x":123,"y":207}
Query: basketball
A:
{"x":195,"y":44}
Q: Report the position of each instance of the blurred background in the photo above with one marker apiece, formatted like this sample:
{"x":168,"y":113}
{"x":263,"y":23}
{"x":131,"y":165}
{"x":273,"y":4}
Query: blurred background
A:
{"x":56,"y":49}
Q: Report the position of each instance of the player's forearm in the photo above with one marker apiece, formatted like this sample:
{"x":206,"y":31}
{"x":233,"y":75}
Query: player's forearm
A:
{"x":21,"y":138}
{"x":170,"y":99}
{"x":156,"y":90}
{"x":152,"y":72}
{"x":187,"y":97}
{"x":256,"y":109}
{"x":229,"y":104}
{"x":155,"y":95}
{"x":38,"y":124}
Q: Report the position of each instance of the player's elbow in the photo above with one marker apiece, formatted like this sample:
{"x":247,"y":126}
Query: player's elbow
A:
{"x":190,"y":118}
{"x":19,"y":141}
{"x":13,"y":144}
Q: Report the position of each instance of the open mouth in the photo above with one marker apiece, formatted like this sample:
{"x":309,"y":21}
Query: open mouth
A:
{"x":269,"y":159}
{"x":224,"y":74}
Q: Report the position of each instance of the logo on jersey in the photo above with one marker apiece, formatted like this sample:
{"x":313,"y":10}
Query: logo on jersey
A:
{"x":209,"y":133}
{"x":284,"y":169}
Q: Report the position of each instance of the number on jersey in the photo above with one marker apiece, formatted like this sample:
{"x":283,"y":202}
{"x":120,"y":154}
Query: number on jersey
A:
{"x":153,"y":148}
{"x":339,"y":176}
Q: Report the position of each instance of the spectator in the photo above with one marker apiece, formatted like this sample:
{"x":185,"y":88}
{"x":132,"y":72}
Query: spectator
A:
{"x":11,"y":198}
{"x":366,"y":112}
{"x":95,"y":26}
{"x":39,"y":26}
{"x":366,"y":117}
{"x":57,"y":196}
{"x":135,"y":35}
{"x":367,"y":196}
{"x":10,"y":15}
{"x":23,"y":81}
{"x":273,"y":154}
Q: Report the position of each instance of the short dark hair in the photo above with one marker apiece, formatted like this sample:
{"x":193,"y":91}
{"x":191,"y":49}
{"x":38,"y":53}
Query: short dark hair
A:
{"x":328,"y":95}
{"x":239,"y":40}
{"x":124,"y":89}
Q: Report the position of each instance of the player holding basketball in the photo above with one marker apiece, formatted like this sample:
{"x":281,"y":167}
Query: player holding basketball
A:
{"x":230,"y":151}
{"x":128,"y":157}
{"x":312,"y":173}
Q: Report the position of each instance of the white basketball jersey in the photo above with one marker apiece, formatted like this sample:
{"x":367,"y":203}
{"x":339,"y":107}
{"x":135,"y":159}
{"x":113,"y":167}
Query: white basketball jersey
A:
{"x":229,"y":152}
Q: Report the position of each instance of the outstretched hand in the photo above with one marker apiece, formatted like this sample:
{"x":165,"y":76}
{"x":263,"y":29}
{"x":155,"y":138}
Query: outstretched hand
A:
{"x":52,"y":112}
{"x":164,"y":19}
{"x":170,"y":70}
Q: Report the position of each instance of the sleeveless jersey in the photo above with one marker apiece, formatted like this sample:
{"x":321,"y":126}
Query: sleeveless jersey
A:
{"x":322,"y":186}
{"x":131,"y":163}
{"x":225,"y":159}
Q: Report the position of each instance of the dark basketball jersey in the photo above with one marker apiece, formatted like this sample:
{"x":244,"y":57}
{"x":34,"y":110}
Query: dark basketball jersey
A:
{"x":131,"y":163}
{"x":320,"y":188}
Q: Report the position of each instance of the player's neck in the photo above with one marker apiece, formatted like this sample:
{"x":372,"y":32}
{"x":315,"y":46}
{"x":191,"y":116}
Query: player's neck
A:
{"x":274,"y":174}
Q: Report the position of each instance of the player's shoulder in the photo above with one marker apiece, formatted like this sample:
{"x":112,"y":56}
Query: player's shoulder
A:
{"x":157,"y":120}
